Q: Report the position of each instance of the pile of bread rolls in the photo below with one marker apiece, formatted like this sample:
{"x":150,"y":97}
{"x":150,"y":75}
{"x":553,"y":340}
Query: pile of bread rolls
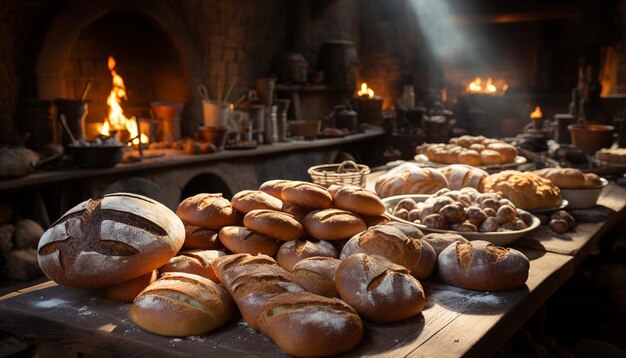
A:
{"x":290,"y":254}
{"x":471,"y":150}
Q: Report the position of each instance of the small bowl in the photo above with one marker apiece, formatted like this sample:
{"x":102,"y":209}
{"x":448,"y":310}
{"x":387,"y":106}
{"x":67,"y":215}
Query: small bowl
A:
{"x":97,"y":156}
{"x":582,"y":198}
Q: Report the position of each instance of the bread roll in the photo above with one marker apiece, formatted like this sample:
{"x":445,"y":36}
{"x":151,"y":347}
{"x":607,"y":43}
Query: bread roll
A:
{"x":389,"y":242}
{"x":298,"y":212}
{"x":127,"y":291}
{"x":526,"y":190}
{"x":252,"y":280}
{"x":306,"y":325}
{"x":317,"y":275}
{"x":276,"y":224}
{"x":293,"y":251}
{"x":440,"y":241}
{"x":274,"y":187}
{"x":197,"y":262}
{"x":103,"y":242}
{"x":243,"y":241}
{"x":507,"y":151}
{"x":569,"y":178}
{"x":199,"y":238}
{"x":461,"y":176}
{"x":409,"y":178}
{"x":248,"y":200}
{"x":482,"y":266}
{"x":490,"y":157}
{"x":306,"y":194}
{"x":180,"y":305}
{"x":358,"y":200}
{"x":333,"y":224}
{"x":378,"y":289}
{"x":470,"y":157}
{"x":210,"y":211}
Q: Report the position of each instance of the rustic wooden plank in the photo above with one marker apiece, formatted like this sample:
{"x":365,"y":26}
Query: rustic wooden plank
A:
{"x":489,"y":319}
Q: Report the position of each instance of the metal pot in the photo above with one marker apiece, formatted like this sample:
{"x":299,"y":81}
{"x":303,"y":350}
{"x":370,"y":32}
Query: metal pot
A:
{"x":97,"y":156}
{"x":292,"y":68}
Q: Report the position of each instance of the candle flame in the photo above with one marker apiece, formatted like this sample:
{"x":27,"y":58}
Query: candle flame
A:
{"x":365,"y":91}
{"x":488,"y":87}
{"x":536,"y":113}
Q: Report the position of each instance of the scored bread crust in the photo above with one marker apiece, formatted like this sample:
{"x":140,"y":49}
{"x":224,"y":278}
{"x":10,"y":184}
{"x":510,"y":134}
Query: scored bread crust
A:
{"x":293,"y":251}
{"x":333,"y":224}
{"x":317,"y":275}
{"x":197,"y":262}
{"x":248,"y":200}
{"x":276,"y":224}
{"x":308,"y":195}
{"x":210,"y":211}
{"x":358,"y":200}
{"x":241,"y":240}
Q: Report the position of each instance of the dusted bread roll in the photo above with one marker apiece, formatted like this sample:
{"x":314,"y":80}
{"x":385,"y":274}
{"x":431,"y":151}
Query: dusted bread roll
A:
{"x":526,"y":190}
{"x":440,"y":241}
{"x":107,"y":241}
{"x":356,"y":199}
{"x":378,"y":289}
{"x":197,"y":237}
{"x":276,"y":224}
{"x":409,"y":178}
{"x":274,"y":187}
{"x":210,"y":211}
{"x":306,"y":325}
{"x":317,"y":275}
{"x":461,"y":176}
{"x":387,"y":241}
{"x":197,"y":262}
{"x":569,"y":178}
{"x":180,"y":305}
{"x":252,"y":280}
{"x":306,"y":194}
{"x":127,"y":291}
{"x":293,"y":251}
{"x":333,"y":224}
{"x":482,"y":266}
{"x":248,"y":200}
{"x":243,"y":241}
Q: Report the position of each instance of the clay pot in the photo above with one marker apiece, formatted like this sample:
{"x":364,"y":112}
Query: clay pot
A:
{"x":591,"y":138}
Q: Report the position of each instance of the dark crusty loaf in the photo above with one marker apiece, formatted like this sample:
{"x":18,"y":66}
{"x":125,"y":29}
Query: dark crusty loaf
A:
{"x":317,"y":275}
{"x":180,"y":304}
{"x":252,"y":280}
{"x":293,"y":251}
{"x":385,"y":240}
{"x":333,"y":224}
{"x":307,"y":325}
{"x":210,"y":211}
{"x":197,"y":262}
{"x":276,"y":224}
{"x":480,"y":265}
{"x":107,"y":241}
{"x":378,"y":289}
{"x":240,"y":240}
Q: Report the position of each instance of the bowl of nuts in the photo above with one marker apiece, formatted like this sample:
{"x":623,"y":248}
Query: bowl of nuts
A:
{"x":467,"y":212}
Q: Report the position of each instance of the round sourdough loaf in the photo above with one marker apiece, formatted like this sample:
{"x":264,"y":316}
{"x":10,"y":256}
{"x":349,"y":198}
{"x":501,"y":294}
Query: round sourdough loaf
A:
{"x":210,"y":211}
{"x":306,"y":325}
{"x":307,"y":194}
{"x":276,"y":224}
{"x":199,"y":238}
{"x":241,"y":240}
{"x":378,"y":289}
{"x":317,"y":275}
{"x":293,"y":251}
{"x":197,"y":262}
{"x":356,"y":199}
{"x":333,"y":224}
{"x":480,"y":265}
{"x":104,"y":242}
{"x":387,"y":241}
{"x":128,"y":290}
{"x":180,"y":305}
{"x":248,"y":200}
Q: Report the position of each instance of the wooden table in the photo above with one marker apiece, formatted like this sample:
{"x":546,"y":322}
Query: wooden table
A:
{"x":454,"y":322}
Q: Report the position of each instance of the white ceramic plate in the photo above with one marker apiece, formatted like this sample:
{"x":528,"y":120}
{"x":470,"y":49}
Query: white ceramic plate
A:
{"x":497,"y":238}
{"x":582,"y":198}
{"x":563,"y":205}
{"x":423,"y":160}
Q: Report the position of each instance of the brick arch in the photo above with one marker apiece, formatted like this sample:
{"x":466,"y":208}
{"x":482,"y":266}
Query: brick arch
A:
{"x":77,"y":15}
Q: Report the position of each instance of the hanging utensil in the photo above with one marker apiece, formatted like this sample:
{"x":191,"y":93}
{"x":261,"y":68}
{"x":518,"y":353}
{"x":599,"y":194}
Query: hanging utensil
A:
{"x":67,"y":129}
{"x":86,"y":89}
{"x":203,"y":92}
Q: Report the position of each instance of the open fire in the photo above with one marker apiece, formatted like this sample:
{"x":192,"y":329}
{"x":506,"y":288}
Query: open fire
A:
{"x":487,"y":87}
{"x":365,"y":91}
{"x":116,"y":121}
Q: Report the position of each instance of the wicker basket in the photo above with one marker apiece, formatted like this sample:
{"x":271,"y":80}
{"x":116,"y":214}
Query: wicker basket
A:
{"x":348,"y":172}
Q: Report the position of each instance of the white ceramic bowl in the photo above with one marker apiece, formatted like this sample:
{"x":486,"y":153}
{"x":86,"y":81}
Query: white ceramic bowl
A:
{"x":497,"y":238}
{"x":583,"y":198}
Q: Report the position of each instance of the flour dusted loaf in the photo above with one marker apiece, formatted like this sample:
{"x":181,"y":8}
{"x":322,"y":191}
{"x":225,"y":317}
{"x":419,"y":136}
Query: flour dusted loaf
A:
{"x":526,"y":190}
{"x":307,"y":325}
{"x":104,"y":242}
{"x":481,"y":266}
{"x":378,"y":289}
{"x":409,"y":178}
{"x":180,"y":305}
{"x":208,"y":210}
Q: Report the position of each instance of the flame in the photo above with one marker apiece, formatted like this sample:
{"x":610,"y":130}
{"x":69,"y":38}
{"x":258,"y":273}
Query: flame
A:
{"x":116,"y":119}
{"x":365,"y":91}
{"x":536,"y":113}
{"x":477,"y":86}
